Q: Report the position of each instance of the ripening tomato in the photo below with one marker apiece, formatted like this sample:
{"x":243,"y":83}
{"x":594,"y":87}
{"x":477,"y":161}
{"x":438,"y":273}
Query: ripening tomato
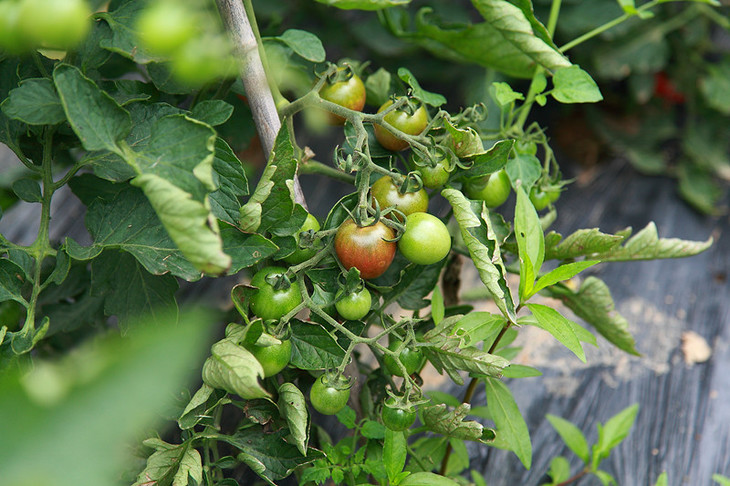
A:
{"x":408,"y":123}
{"x":349,"y":93}
{"x":365,"y":247}
{"x":387,"y":194}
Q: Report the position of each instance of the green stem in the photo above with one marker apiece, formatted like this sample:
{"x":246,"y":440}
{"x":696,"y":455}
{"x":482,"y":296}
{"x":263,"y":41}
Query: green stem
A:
{"x":553,"y":19}
{"x":41,"y":247}
{"x":607,"y":26}
{"x":314,"y":167}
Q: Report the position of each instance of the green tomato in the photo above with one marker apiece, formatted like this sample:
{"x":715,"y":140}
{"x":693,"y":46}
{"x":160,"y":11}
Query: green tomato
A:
{"x":542,"y":199}
{"x":303,"y":254}
{"x":493,"y":190}
{"x":329,"y":396}
{"x":349,"y":94}
{"x":165,"y":26}
{"x":387,"y":194}
{"x":397,"y":417}
{"x":269,"y":303}
{"x":273,"y":358}
{"x":426,"y":239}
{"x":411,"y":124}
{"x":434,"y":177}
{"x":411,"y":358}
{"x":353,"y":306}
{"x":12,"y":39}
{"x":60,"y":24}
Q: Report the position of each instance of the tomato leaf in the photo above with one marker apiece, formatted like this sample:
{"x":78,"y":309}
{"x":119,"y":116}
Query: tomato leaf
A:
{"x":313,"y":348}
{"x":268,"y":454}
{"x":615,"y":430}
{"x":525,"y":168}
{"x":394,"y":453}
{"x":124,"y":218}
{"x":559,"y":469}
{"x":212,"y":112}
{"x":200,"y":405}
{"x":129,"y":291}
{"x":594,"y":304}
{"x":437,"y":306}
{"x":127,"y":382}
{"x":446,"y":355}
{"x":646,"y":245}
{"x":490,"y":161}
{"x":100,"y":128}
{"x":34,"y":102}
{"x":580,"y":243}
{"x":476,"y":327}
{"x":432,"y":99}
{"x":188,"y":222}
{"x":450,"y":423}
{"x":178,"y":462}
{"x":563,"y":272}
{"x":293,"y":408}
{"x":573,"y":85}
{"x":234,"y":369}
{"x":511,"y":427}
{"x":530,"y":243}
{"x":272,"y":202}
{"x":553,"y":322}
{"x":481,"y":242}
{"x":305,"y":44}
{"x":571,"y":435}
{"x":513,"y":25}
{"x":425,"y":478}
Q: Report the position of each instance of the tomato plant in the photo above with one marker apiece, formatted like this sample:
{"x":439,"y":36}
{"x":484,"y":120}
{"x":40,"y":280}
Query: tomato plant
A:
{"x":367,"y":248}
{"x":348,"y":92}
{"x":388,"y":194}
{"x":426,"y":239}
{"x":410,"y":123}
{"x":353,"y":306}
{"x":397,"y":416}
{"x":273,"y":358}
{"x":493,"y":190}
{"x":274,"y":300}
{"x":135,"y":110}
{"x":329,"y":395}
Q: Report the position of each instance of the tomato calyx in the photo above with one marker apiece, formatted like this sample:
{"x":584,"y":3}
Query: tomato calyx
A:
{"x":279,"y":281}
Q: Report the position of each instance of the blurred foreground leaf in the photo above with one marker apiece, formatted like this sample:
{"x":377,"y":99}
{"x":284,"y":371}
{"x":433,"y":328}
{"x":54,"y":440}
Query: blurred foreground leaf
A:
{"x":72,"y":419}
